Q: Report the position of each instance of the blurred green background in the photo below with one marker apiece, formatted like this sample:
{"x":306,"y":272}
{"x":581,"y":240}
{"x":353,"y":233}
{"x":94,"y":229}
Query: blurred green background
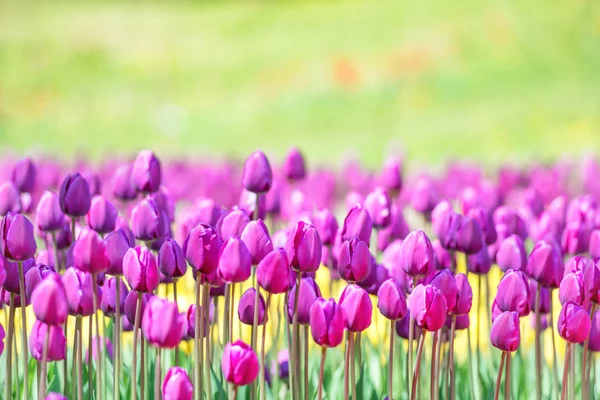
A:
{"x":485,"y":80}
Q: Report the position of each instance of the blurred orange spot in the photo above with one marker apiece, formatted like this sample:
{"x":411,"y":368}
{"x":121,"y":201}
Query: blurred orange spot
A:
{"x":345,"y":72}
{"x":412,"y":60}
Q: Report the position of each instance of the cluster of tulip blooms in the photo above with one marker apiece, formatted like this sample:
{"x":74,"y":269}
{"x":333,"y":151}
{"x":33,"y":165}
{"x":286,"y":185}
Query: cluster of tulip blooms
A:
{"x":108,"y":238}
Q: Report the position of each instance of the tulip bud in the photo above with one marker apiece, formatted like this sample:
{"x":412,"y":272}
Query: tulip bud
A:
{"x":327,"y":226}
{"x":438,"y":215}
{"x":122,"y":186}
{"x":486,"y":223}
{"x":239,"y":364}
{"x":506,"y":331}
{"x":202,"y":248}
{"x":469,"y":238}
{"x":574,"y":323}
{"x":391,"y":301}
{"x":391,"y":175}
{"x":35,"y":275}
{"x":427,"y":307}
{"x":89,"y":253}
{"x":147,"y":222}
{"x":11,"y":273}
{"x":171,"y":261}
{"x":162,"y":324}
{"x":131,"y":302}
{"x":57,"y":349}
{"x":177,"y":385}
{"x":293,"y":166}
{"x":480,"y":262}
{"x":447,"y":229}
{"x":49,"y":301}
{"x":309,"y":292}
{"x":232,"y":224}
{"x":377,"y":204}
{"x":326,"y":323}
{"x":102,"y":215}
{"x":75,"y":197}
{"x":545,"y":264}
{"x":397,"y":229}
{"x":23,"y":175}
{"x":372,"y":283}
{"x":357,"y":307}
{"x":48,"y":216}
{"x":116,"y":243}
{"x":424,"y":196}
{"x":464,"y":298}
{"x":79,"y":287}
{"x":257,"y":176}
{"x":10,"y":198}
{"x":235,"y":262}
{"x":108,"y":305}
{"x":246,"y":307}
{"x":446,"y":283}
{"x":594,"y":246}
{"x":358,"y":224}
{"x":573,"y":288}
{"x":146,"y":173}
{"x":416,"y":256}
{"x":507,"y":216}
{"x":257,"y":240}
{"x":304,"y":248}
{"x":513,"y":293}
{"x":17,"y":242}
{"x":354,"y":260}
{"x":140,"y":269}
{"x":512,"y":254}
{"x":273,"y":271}
{"x":576,"y":238}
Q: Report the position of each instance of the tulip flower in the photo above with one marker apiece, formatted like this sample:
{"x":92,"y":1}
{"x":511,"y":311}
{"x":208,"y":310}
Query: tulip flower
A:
{"x":294,"y":168}
{"x":102,"y":215}
{"x":326,"y":225}
{"x":177,"y":385}
{"x":485,"y":222}
{"x":109,"y":301}
{"x":257,"y":240}
{"x":403,"y":328}
{"x":140,"y":269}
{"x":358,"y":223}
{"x":202,"y":248}
{"x":24,"y":174}
{"x":235,"y":261}
{"x":232,"y":224}
{"x":272,"y":273}
{"x":545,"y":264}
{"x":35,"y":275}
{"x":354,"y":260}
{"x":75,"y":197}
{"x":506,"y":336}
{"x":444,"y":259}
{"x":171,"y":260}
{"x":469,"y":238}
{"x":246,"y":308}
{"x":57,"y":349}
{"x":55,"y":396}
{"x":304,"y":248}
{"x":122,"y":186}
{"x":447,"y":226}
{"x":397,"y":229}
{"x":357,"y":307}
{"x":573,"y":288}
{"x":428,"y":308}
{"x":576,"y":238}
{"x":79,"y":287}
{"x":147,"y":222}
{"x":390,"y":176}
{"x":425,"y":196}
{"x":416,"y":256}
{"x":377,"y":204}
{"x":116,"y":243}
{"x":513,"y":293}
{"x":512,"y":254}
{"x":309,"y":292}
{"x":162,"y":324}
{"x":10,"y":198}
{"x":372,"y":283}
{"x":480,"y":262}
{"x":146,"y":172}
{"x":594,"y":245}
{"x":445,"y":281}
{"x":510,"y":219}
{"x":89,"y":253}
{"x":257,"y":176}
{"x":239,"y":364}
{"x":191,"y":322}
{"x":17,"y":242}
{"x":48,"y":215}
{"x":49,"y":301}
{"x":131,"y":303}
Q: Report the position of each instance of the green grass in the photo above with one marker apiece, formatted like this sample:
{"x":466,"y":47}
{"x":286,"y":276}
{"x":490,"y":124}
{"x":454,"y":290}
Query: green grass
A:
{"x":492,"y":81}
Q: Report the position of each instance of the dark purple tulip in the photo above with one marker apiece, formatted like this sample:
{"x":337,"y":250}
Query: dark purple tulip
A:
{"x":391,"y":175}
{"x":464,"y":298}
{"x":24,"y":174}
{"x":202,"y":248}
{"x":17,"y":242}
{"x":108,"y":305}
{"x":171,"y":260}
{"x":573,"y":288}
{"x":75,"y":197}
{"x":444,"y":259}
{"x":147,"y":222}
{"x":327,"y":322}
{"x":469,"y":238}
{"x":512,"y":254}
{"x":357,"y":307}
{"x":122,"y":186}
{"x":235,"y":261}
{"x":102,"y":215}
{"x":48,"y":216}
{"x":506,"y":331}
{"x":397,"y":229}
{"x":89,"y":253}
{"x":146,"y":173}
{"x":10,"y":198}
{"x":505,"y":215}
{"x":131,"y":303}
{"x":283,"y":361}
{"x":446,"y":283}
{"x":35,"y":275}
{"x":424,"y":196}
{"x":80,"y":291}
{"x":273,"y":271}
{"x":232,"y":224}
{"x":57,"y":345}
{"x":427,"y":306}
{"x":574,"y":323}
{"x":354,"y":260}
{"x":162,"y":324}
{"x":391,"y":300}
{"x":140,"y":269}
{"x":480,"y":262}
{"x":327,"y":226}
{"x":486,"y":223}
{"x":595,"y":333}
{"x":358,"y":224}
{"x":416,"y":257}
{"x":309,"y":292}
{"x":64,"y":237}
{"x":375,"y":279}
{"x":246,"y":307}
{"x":513,"y":293}
{"x":576,"y":238}
{"x":304,"y":248}
{"x":49,"y":300}
{"x":403,"y":326}
{"x":116,"y":243}
{"x":294,"y":168}
{"x":545,"y":264}
{"x":257,"y":176}
{"x":11,"y":271}
{"x":377,"y":204}
{"x":256,"y":238}
{"x":447,"y":229}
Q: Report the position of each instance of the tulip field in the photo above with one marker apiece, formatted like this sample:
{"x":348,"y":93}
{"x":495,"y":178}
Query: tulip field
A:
{"x":268,"y":281}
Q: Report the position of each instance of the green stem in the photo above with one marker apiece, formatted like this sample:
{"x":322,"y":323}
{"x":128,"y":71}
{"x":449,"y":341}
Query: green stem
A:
{"x":346,"y":366}
{"x":198,"y":344}
{"x":353,"y":366}
{"x":79,"y":328}
{"x":157,"y":377}
{"x":306,"y":387}
{"x":507,"y":378}
{"x":432,"y":387}
{"x":97,"y":342}
{"x":117,"y":340}
{"x":563,"y":395}
{"x":208,"y":338}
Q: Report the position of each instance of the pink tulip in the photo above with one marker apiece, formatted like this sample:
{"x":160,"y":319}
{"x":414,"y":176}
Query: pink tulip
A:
{"x":428,"y":307}
{"x":239,"y":364}
{"x":357,"y":307}
{"x":506,"y":331}
{"x":162,"y":324}
{"x":327,"y":323}
{"x":574,"y":323}
{"x":177,"y":385}
{"x":391,"y":300}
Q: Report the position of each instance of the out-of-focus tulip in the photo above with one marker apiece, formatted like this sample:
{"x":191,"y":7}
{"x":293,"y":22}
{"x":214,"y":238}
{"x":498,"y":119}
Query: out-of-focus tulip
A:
{"x":177,"y":385}
{"x":293,"y":167}
{"x":377,"y":204}
{"x":403,"y":326}
{"x":48,"y":216}
{"x":246,"y":307}
{"x":354,"y":260}
{"x":576,"y":238}
{"x":513,"y":293}
{"x":391,"y":300}
{"x":594,"y":246}
{"x":257,"y":176}
{"x":391,"y":175}
{"x":486,"y":223}
{"x":17,"y":242}
{"x":239,"y":364}
{"x":469,"y":238}
{"x":191,"y":322}
{"x":171,"y":260}
{"x":357,"y":307}
{"x":545,"y":264}
{"x":108,"y":305}
{"x":510,"y":218}
{"x":424,"y":196}
{"x":75,"y":197}
{"x":57,"y":349}
{"x":427,"y":306}
{"x":444,"y":259}
{"x":146,"y":172}
{"x":416,"y":256}
{"x":327,"y":226}
{"x":309,"y":292}
{"x":464,"y":299}
{"x":573,"y":288}
{"x":147,"y":222}
{"x":79,"y":287}
{"x":358,"y":223}
{"x":257,"y":240}
{"x":89,"y":253}
{"x":545,"y":297}
{"x":594,"y":333}
{"x":131,"y":303}
{"x":506,"y":331}
{"x":102,"y":215}
{"x":574,"y":323}
{"x":512,"y":254}
{"x":35,"y":275}
{"x":438,"y":215}
{"x":117,"y":243}
{"x":327,"y":323}
{"x":202,"y":248}
{"x":446,"y":283}
{"x":49,"y":301}
{"x":304,"y":248}
{"x":235,"y":262}
{"x":273,"y":271}
{"x":375,"y":279}
{"x":55,"y":396}
{"x":122,"y":186}
{"x":447,"y":229}
{"x":24,"y":174}
{"x":10,"y":198}
{"x":232,"y":224}
{"x":397,"y":229}
{"x":480,"y":262}
{"x":11,"y":273}
{"x":140,"y":269}
{"x":162,"y":324}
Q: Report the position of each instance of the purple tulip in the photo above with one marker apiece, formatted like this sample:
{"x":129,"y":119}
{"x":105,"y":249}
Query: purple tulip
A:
{"x":354,"y":260}
{"x":102,"y":215}
{"x":304,"y":248}
{"x":391,"y":175}
{"x":11,"y":273}
{"x":116,"y":243}
{"x":480,"y":262}
{"x":146,"y":172}
{"x":447,"y":229}
{"x":309,"y":292}
{"x":294,"y":168}
{"x":403,"y":326}
{"x":377,"y":204}
{"x":486,"y":223}
{"x":469,"y":238}
{"x":513,"y":293}
{"x":147,"y":222}
{"x":171,"y":261}
{"x":327,"y":323}
{"x":49,"y":301}
{"x":273,"y":271}
{"x":246,"y":307}
{"x":177,"y":385}
{"x":162,"y":324}
{"x":24,"y":174}
{"x":327,"y":226}
{"x":48,"y":216}
{"x":444,"y":259}
{"x":232,"y":224}
{"x":506,"y":331}
{"x":202,"y":248}
{"x":509,"y":217}
{"x":424,"y":196}
{"x":397,"y":229}
{"x":594,"y":333}
{"x":257,"y":240}
{"x":573,"y":288}
{"x":79,"y":287}
{"x":191,"y":322}
{"x":239,"y":364}
{"x":55,"y":396}
{"x":512,"y":254}
{"x":594,"y":246}
{"x":235,"y":261}
{"x":416,"y":256}
{"x":57,"y":346}
{"x":545,"y":298}
{"x":574,"y":323}
{"x":131,"y":302}
{"x":357,"y":307}
{"x":391,"y":300}
{"x":446,"y":283}
{"x":10,"y":198}
{"x":545,"y":264}
{"x":122,"y":186}
{"x":75,"y":197}
{"x":89,"y":253}
{"x":108,"y":305}
{"x":140,"y":269}
{"x":17,"y":242}
{"x":576,"y":238}
{"x":375,"y":279}
{"x":257,"y":176}
{"x":35,"y":275}
{"x":427,"y":307}
{"x":358,"y":224}
{"x":464,"y":299}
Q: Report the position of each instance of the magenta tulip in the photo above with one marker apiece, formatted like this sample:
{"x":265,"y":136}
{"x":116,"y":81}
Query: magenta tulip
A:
{"x":239,"y":364}
{"x":177,"y":385}
{"x":327,"y":322}
{"x":162,"y":324}
{"x":57,"y":348}
{"x":391,"y":300}
{"x":235,"y":261}
{"x":49,"y":301}
{"x":122,"y":186}
{"x":304,"y":248}
{"x":545,"y":264}
{"x":512,"y":254}
{"x":354,"y":260}
{"x":246,"y":308}
{"x":17,"y":242}
{"x":506,"y":331}
{"x":358,"y":223}
{"x":357,"y":307}
{"x":427,"y":307}
{"x":446,"y":283}
{"x":48,"y":215}
{"x":140,"y":269}
{"x":202,"y":248}
{"x":109,"y":302}
{"x":147,"y":222}
{"x":294,"y":168}
{"x":75,"y":197}
{"x":79,"y":287}
{"x":416,"y":256}
{"x":513,"y":293}
{"x":102,"y":215}
{"x":117,"y":243}
{"x":574,"y":323}
{"x":464,"y":299}
{"x":327,"y":226}
{"x":272,"y":273}
{"x":257,"y":240}
{"x":309,"y":292}
{"x":89,"y":253}
{"x":171,"y":261}
{"x":146,"y":172}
